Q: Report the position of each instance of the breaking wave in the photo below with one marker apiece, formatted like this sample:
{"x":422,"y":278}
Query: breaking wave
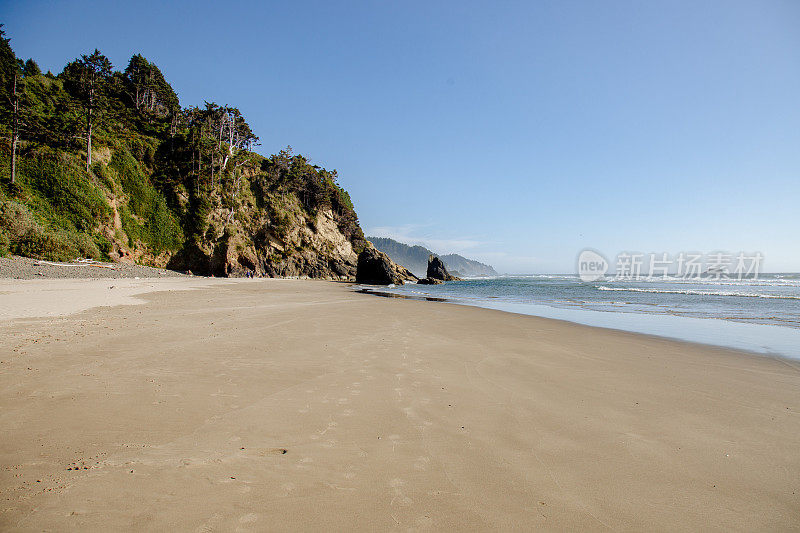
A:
{"x":699,"y":292}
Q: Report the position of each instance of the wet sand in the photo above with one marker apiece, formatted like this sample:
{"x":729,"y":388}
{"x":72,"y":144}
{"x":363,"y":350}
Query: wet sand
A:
{"x":220,"y":405}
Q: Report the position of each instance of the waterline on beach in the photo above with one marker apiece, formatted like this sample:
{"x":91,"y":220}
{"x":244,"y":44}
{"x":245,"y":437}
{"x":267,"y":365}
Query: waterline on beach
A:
{"x":761,"y":316}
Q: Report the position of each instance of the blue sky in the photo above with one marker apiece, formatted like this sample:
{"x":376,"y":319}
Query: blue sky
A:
{"x":516,"y":133}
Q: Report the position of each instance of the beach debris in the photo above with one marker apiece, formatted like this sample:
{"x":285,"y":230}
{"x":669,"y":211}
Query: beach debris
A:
{"x":77,"y":263}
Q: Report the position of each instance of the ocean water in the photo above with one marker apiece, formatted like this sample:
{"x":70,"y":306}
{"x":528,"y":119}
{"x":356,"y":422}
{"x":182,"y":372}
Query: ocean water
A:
{"x":760,"y":315}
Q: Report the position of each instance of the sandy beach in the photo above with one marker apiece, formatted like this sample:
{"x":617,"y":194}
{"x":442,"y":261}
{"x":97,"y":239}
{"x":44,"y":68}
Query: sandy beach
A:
{"x":188,"y":404}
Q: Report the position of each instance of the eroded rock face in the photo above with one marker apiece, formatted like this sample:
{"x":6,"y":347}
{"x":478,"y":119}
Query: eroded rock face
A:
{"x":375,"y":268}
{"x":309,"y":248}
{"x":437,"y":270}
{"x":430,"y":281}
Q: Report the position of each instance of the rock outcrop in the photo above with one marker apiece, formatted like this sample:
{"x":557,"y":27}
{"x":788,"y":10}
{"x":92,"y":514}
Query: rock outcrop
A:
{"x":375,"y":268}
{"x":310,"y":247}
{"x":437,"y":270}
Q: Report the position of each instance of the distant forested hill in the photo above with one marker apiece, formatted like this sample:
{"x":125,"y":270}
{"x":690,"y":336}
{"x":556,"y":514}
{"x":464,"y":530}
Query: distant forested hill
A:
{"x":467,"y":267}
{"x":106,"y":164}
{"x":415,"y":258}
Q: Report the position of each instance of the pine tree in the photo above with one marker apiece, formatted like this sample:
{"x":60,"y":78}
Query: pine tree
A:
{"x":31,"y":68}
{"x":10,"y":77}
{"x":86,"y":78}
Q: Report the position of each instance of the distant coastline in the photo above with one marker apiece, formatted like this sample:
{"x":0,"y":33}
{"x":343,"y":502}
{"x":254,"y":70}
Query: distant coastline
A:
{"x":415,"y":258}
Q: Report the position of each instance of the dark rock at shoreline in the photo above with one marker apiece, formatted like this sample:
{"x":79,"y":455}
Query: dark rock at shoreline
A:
{"x":437,"y":270}
{"x":429,"y":281}
{"x":375,"y":268}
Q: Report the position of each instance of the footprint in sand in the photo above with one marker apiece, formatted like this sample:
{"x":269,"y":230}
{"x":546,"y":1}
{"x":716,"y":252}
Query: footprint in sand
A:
{"x":424,"y":522}
{"x":210,"y":524}
{"x":399,"y":497}
{"x":248,"y":518}
{"x":304,"y":463}
{"x":422,"y":463}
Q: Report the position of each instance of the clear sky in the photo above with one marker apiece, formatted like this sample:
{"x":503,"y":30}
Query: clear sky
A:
{"x":515,"y":133}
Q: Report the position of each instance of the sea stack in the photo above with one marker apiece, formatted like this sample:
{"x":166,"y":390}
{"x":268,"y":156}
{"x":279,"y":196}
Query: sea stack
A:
{"x":437,"y":272}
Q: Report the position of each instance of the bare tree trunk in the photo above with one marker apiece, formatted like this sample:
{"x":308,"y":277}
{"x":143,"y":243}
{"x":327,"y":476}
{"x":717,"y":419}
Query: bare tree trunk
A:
{"x":88,"y":139}
{"x":194,"y":164}
{"x":238,"y":182}
{"x":15,"y":134}
{"x":89,"y":117}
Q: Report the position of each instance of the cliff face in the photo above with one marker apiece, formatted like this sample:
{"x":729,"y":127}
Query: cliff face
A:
{"x":154,"y":183}
{"x":313,"y":247}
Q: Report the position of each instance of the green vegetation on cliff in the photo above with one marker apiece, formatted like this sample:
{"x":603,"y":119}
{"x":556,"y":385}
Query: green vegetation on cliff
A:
{"x":106,"y":164}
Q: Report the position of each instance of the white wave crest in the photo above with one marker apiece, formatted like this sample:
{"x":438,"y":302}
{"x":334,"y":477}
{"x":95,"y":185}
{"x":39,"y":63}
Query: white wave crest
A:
{"x":701,"y":293}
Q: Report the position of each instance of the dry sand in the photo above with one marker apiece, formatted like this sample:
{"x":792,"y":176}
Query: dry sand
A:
{"x":300,"y":405}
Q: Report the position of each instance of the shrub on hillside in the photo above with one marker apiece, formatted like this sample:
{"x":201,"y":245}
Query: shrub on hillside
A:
{"x":158,"y":228}
{"x":60,"y":182}
{"x":22,"y":234}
